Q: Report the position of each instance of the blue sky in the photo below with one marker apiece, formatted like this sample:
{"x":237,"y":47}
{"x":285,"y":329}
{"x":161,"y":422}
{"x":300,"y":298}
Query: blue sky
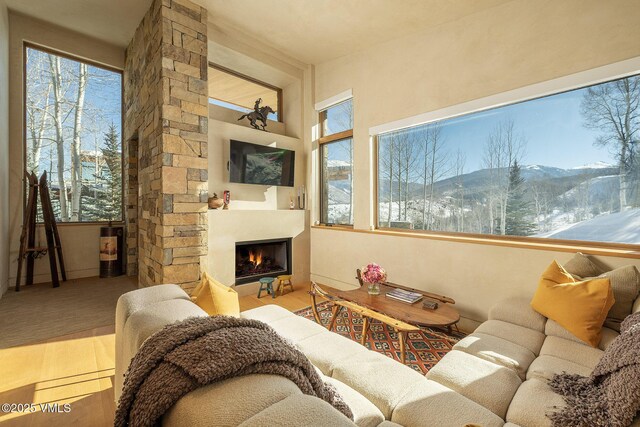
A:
{"x":552,"y":127}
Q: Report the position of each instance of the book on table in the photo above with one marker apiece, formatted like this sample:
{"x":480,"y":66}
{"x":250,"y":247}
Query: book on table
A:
{"x":404,"y":296}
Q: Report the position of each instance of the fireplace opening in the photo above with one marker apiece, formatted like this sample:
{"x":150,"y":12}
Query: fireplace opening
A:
{"x":262,"y":258}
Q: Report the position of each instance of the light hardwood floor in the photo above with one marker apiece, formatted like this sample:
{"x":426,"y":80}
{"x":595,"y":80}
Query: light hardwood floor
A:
{"x":78,"y":369}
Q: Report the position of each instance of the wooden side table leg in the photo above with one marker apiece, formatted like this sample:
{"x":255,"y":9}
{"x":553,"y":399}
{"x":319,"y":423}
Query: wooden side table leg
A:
{"x":365,"y":328}
{"x":401,"y":340}
{"x":314,"y":306}
{"x":335,"y":312}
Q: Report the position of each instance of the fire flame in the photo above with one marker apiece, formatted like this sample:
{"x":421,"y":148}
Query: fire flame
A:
{"x":255,"y":258}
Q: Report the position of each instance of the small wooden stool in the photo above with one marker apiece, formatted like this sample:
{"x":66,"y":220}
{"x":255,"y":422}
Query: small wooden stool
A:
{"x":266,"y":284}
{"x":284,"y":280}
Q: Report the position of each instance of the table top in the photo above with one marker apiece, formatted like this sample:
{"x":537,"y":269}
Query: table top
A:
{"x":415,"y":314}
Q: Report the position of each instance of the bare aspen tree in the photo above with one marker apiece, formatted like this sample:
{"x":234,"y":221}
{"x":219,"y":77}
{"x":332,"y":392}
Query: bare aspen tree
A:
{"x":76,"y":166}
{"x":459,"y":164}
{"x":438,"y":159}
{"x":386,"y":162}
{"x":37,"y":110}
{"x":614,"y":110}
{"x":502,"y":149}
{"x":58,"y":99}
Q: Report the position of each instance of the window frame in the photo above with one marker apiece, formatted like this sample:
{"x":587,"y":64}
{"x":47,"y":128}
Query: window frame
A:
{"x":545,"y":89}
{"x":280,"y":107}
{"x":328,"y":139}
{"x":29,"y":45}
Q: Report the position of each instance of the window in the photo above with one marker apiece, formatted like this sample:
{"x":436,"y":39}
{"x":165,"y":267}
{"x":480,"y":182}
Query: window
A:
{"x":231,"y":90}
{"x":336,"y":156}
{"x":565,"y":166}
{"x":73,"y":117}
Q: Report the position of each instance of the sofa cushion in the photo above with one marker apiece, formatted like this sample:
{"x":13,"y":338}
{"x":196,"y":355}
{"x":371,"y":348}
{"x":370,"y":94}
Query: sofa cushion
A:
{"x":378,"y":378}
{"x":519,"y":312}
{"x":325,"y":350}
{"x":429,"y":403}
{"x":608,"y":335}
{"x":572,"y":351}
{"x":553,"y":329}
{"x":129,"y":303}
{"x":267,"y":313}
{"x":524,"y":337}
{"x":498,"y":351}
{"x":133,"y":301}
{"x":545,"y":367}
{"x":229,"y":402}
{"x":298,"y":410}
{"x":532,"y":401}
{"x":150,"y":319}
{"x":296,"y":328}
{"x":472,"y":377}
{"x":365,"y":413}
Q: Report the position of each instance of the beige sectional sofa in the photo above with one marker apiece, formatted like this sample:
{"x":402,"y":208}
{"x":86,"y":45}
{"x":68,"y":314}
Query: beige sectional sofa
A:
{"x":494,"y":376}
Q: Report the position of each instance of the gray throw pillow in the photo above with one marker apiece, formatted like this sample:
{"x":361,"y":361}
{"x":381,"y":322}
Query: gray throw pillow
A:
{"x":625,"y":283}
{"x":581,"y":266}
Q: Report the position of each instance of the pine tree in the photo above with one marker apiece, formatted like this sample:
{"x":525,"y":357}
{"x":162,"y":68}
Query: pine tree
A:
{"x":518,"y":208}
{"x":112,"y":175}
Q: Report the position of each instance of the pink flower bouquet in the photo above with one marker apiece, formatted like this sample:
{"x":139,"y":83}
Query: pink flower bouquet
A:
{"x":373,"y":274}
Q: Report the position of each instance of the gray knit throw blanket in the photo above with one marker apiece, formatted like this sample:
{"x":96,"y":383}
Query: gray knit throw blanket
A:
{"x":610,"y":397}
{"x":202,"y":350}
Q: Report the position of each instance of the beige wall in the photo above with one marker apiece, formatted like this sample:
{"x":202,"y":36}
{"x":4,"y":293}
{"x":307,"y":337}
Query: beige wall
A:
{"x":80,"y":242}
{"x":250,"y":196}
{"x":4,"y":147}
{"x":509,"y":46}
{"x":256,"y":212}
{"x":226,"y":228}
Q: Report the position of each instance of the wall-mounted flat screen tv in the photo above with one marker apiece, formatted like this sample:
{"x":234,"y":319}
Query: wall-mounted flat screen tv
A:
{"x":259,"y":164}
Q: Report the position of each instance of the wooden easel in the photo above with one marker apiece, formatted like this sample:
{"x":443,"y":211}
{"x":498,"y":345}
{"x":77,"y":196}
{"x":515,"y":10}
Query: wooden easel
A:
{"x":28,"y":250}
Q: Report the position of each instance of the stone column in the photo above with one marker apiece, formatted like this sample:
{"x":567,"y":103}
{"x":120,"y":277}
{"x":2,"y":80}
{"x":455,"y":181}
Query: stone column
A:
{"x":166,"y":110}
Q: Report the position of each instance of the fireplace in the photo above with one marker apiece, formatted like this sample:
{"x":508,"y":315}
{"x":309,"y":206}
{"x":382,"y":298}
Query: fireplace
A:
{"x":262,"y":258}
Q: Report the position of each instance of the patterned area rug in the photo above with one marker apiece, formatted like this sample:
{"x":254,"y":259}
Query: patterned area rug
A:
{"x":424,"y":348}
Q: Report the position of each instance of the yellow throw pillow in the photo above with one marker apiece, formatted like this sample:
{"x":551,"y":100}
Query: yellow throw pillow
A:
{"x":579,"y":307}
{"x":216,"y":298}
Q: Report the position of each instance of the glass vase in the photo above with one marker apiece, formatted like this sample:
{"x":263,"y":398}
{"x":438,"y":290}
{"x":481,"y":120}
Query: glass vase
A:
{"x":373,"y":289}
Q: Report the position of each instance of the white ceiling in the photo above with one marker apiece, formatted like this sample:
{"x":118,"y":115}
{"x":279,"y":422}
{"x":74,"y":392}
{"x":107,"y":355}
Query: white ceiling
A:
{"x":314,"y":31}
{"x":113,"y":21}
{"x":311,"y":31}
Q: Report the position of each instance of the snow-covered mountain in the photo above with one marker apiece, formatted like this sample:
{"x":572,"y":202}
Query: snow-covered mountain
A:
{"x":596,"y":165}
{"x":479,"y":180}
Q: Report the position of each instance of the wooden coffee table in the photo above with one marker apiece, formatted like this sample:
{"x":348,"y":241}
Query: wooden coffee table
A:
{"x":402,"y":317}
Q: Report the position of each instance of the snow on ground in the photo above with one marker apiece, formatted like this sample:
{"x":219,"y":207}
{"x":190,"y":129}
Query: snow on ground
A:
{"x":619,"y":227}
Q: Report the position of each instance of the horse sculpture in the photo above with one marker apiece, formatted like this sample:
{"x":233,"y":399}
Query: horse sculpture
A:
{"x":258,"y":114}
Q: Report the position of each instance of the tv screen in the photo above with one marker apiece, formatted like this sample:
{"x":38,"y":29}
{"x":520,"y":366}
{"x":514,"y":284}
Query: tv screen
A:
{"x":259,"y":164}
